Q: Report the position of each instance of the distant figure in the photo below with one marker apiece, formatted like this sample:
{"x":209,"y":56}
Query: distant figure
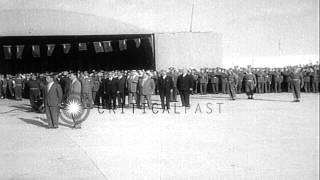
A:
{"x":297,"y":83}
{"x":250,"y":83}
{"x":184,"y":85}
{"x":232,"y":80}
{"x":52,"y":101}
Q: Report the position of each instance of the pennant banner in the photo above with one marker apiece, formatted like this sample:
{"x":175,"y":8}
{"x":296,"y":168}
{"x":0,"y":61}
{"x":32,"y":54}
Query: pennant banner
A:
{"x":67,"y":47}
{"x":122,"y":45}
{"x":7,"y":51}
{"x":83,"y":47}
{"x":50,"y":48}
{"x":107,"y":46}
{"x":19,"y":51}
{"x":98,"y":47}
{"x":35,"y":50}
{"x":137,"y":41}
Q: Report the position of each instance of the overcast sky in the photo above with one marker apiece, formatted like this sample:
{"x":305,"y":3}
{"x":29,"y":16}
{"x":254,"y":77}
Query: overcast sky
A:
{"x":249,"y":27}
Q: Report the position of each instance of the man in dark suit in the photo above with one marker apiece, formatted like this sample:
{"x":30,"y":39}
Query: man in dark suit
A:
{"x":111,"y":90}
{"x":165,"y":86}
{"x":52,"y":101}
{"x":65,"y":85}
{"x":184,"y":85}
{"x":122,"y":82}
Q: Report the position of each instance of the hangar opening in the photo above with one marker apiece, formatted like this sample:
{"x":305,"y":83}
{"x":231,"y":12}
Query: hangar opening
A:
{"x":84,"y":52}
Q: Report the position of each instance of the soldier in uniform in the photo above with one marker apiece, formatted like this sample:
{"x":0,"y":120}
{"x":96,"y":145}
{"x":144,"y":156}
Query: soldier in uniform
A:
{"x":18,"y":87}
{"x":195,"y":76}
{"x":306,"y":80}
{"x":95,"y":89}
{"x":277,"y":81}
{"x":250,"y":83}
{"x":203,"y":79}
{"x":315,"y":80}
{"x":297,"y":81}
{"x":86,"y":90}
{"x":287,"y":79}
{"x":10,"y":86}
{"x":260,"y":79}
{"x":132,"y":83}
{"x":240,"y":81}
{"x":267,"y":81}
{"x":34,"y":92}
{"x":224,"y":82}
{"x":232,"y":80}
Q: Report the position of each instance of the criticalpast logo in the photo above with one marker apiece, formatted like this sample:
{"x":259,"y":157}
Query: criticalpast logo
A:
{"x":74,"y":111}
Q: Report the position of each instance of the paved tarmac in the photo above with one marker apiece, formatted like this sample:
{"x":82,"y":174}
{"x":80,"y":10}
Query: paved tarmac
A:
{"x":269,"y":137}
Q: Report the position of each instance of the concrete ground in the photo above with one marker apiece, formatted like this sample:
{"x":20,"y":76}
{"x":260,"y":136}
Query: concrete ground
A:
{"x":269,"y":137}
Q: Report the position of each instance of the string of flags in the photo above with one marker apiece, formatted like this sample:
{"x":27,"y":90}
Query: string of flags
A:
{"x":99,"y":47}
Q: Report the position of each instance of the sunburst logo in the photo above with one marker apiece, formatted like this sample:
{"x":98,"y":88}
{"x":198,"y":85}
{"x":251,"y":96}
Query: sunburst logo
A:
{"x":73,"y":107}
{"x":74,"y":112}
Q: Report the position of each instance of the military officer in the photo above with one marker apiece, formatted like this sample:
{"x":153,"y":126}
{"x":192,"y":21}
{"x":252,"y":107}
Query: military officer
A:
{"x":250,"y":83}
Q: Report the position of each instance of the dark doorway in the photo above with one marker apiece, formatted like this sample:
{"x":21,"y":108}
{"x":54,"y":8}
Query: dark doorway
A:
{"x":133,"y":57}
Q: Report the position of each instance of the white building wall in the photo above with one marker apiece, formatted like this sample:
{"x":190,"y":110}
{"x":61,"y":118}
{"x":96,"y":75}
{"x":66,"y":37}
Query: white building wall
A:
{"x":188,"y":50}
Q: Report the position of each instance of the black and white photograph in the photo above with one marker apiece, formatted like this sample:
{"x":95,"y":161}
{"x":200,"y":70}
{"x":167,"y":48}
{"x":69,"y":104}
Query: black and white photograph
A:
{"x":159,"y":90}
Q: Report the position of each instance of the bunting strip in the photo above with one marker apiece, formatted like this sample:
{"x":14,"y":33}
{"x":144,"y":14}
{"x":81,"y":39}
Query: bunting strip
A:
{"x":19,"y":51}
{"x":7,"y":51}
{"x":122,"y":45}
{"x":50,"y":48}
{"x":137,"y":41}
{"x":98,"y":47}
{"x":66,"y":48}
{"x":107,"y":46}
{"x":83,"y":47}
{"x":36,"y":51}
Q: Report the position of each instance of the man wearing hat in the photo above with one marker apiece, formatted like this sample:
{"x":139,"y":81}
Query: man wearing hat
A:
{"x":250,"y":83}
{"x":146,"y":88}
{"x":86,"y":91}
{"x":52,"y":101}
{"x":132,"y":83}
{"x":184,"y":85}
{"x":165,"y":85}
{"x":121,"y":89}
{"x":297,"y":83}
{"x":34,"y":92}
{"x":18,"y":87}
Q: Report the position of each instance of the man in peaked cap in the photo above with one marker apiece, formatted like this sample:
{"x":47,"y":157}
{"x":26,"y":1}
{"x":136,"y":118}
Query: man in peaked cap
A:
{"x":86,"y":90}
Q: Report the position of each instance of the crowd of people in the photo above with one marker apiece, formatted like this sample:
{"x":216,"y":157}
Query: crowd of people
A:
{"x":110,"y":89}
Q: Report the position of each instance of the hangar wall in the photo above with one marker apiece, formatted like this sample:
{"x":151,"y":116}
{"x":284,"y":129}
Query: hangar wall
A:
{"x":188,"y":50}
